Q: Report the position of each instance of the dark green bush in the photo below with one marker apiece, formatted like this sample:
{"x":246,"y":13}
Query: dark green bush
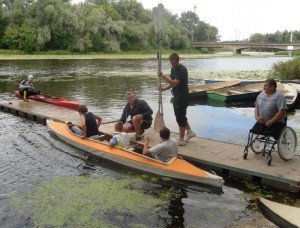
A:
{"x":287,"y":70}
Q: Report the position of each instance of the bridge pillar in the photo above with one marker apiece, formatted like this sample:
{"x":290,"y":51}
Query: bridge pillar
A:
{"x":237,"y":51}
{"x":290,"y":53}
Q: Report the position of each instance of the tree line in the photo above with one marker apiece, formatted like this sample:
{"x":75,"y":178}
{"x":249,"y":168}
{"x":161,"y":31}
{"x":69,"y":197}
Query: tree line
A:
{"x":94,"y":26}
{"x":277,"y":37}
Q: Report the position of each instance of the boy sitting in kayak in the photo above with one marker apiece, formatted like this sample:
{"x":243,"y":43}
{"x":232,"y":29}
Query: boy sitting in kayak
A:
{"x":165,"y":150}
{"x":121,"y":139}
{"x":90,"y":123}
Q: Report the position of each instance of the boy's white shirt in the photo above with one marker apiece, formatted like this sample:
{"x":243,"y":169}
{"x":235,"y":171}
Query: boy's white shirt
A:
{"x":126,"y":138}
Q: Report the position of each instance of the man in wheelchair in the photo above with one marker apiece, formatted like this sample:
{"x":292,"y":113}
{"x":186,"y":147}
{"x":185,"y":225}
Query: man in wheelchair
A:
{"x":270,"y":114}
{"x":270,"y":111}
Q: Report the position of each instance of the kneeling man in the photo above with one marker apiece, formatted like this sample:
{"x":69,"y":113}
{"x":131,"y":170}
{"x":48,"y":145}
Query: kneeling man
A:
{"x":137,"y":115}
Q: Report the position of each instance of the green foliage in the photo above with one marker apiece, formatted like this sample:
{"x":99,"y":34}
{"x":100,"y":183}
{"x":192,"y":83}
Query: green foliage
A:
{"x":286,"y":70}
{"x":277,"y":37}
{"x":295,"y":53}
{"x":22,"y":38}
{"x":189,"y":20}
{"x":3,"y":24}
{"x":94,"y":26}
{"x":200,"y":30}
{"x":92,"y":202}
{"x":131,"y":10}
{"x":253,"y":191}
{"x":135,"y":35}
{"x":10,"y":52}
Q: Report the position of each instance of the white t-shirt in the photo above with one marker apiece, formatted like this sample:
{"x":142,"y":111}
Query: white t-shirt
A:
{"x":165,"y":150}
{"x":122,"y":139}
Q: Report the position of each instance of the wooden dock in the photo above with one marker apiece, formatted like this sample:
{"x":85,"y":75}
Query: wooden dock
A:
{"x":224,"y":158}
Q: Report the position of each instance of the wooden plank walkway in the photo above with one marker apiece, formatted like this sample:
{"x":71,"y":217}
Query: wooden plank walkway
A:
{"x":225,"y":158}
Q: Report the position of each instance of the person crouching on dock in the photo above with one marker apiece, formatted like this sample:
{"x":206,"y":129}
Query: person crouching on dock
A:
{"x":136,"y":116}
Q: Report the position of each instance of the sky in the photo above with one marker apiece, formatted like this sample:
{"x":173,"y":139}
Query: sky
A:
{"x":238,"y":19}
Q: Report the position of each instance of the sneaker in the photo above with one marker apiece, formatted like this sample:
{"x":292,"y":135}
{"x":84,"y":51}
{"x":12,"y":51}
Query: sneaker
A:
{"x":190,"y":134}
{"x":137,"y":138}
{"x":181,"y":142}
{"x":25,"y":100}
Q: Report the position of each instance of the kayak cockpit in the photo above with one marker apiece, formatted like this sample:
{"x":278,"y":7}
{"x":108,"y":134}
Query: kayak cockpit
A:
{"x":135,"y":146}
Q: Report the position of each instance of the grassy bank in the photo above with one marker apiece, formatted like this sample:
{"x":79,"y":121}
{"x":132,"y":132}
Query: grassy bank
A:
{"x":147,"y":54}
{"x":18,"y":55}
{"x":285,"y":53}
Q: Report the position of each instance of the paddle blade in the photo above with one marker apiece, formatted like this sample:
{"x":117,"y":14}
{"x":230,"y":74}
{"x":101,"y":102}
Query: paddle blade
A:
{"x":159,"y":122}
{"x":158,"y":17}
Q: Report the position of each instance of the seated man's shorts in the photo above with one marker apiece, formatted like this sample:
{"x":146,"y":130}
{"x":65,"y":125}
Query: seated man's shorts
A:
{"x":273,"y":130}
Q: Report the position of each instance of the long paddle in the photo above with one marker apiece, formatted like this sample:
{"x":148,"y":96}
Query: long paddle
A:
{"x":158,"y":25}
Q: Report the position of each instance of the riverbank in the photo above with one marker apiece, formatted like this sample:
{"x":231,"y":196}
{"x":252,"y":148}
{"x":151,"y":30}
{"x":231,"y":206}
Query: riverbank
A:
{"x":129,"y":55}
{"x":108,"y":56}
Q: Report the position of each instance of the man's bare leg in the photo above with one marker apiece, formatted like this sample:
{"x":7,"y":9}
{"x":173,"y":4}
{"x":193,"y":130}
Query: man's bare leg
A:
{"x":188,"y":128}
{"x":137,"y":123}
{"x":182,"y":132}
{"x":189,"y":134}
{"x":127,"y":127}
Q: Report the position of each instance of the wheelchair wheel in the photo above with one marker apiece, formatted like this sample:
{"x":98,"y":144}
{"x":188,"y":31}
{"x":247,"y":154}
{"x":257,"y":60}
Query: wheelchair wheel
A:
{"x":287,"y":143}
{"x":257,"y":146}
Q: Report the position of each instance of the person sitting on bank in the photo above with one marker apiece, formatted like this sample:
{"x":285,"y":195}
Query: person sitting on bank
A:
{"x":165,"y":150}
{"x":26,"y":88}
{"x":121,"y":139}
{"x":90,"y":123}
{"x":137,"y":115}
{"x":270,"y":111}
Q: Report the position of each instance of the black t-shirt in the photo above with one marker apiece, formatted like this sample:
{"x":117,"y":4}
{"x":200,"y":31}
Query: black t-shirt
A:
{"x":91,"y":124}
{"x":181,"y":74}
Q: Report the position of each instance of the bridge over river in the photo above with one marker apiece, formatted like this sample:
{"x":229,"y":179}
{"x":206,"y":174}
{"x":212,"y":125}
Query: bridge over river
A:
{"x":237,"y":47}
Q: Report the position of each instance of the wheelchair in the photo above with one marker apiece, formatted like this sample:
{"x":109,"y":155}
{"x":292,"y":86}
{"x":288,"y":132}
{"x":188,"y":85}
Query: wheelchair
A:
{"x":260,"y":143}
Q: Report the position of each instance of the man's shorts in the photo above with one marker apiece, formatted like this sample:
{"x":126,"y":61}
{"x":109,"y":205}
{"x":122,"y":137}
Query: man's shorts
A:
{"x":273,"y":130}
{"x":145,"y":124}
{"x":180,"y":106}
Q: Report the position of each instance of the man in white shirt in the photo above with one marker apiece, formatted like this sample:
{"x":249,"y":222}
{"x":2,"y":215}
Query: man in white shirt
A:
{"x":165,"y":150}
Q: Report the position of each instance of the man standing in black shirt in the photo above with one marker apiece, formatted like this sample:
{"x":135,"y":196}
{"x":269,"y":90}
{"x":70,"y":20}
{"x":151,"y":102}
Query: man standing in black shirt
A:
{"x":178,"y":81}
{"x":137,"y":115}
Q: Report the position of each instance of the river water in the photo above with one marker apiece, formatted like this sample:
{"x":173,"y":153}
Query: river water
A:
{"x":45,"y":182}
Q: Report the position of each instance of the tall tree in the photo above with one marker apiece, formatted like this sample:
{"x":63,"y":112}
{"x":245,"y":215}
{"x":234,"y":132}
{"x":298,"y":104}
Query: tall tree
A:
{"x":131,"y":10}
{"x":198,"y":30}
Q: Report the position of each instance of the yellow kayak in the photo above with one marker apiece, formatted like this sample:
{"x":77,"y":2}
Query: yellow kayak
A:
{"x":175,"y":167}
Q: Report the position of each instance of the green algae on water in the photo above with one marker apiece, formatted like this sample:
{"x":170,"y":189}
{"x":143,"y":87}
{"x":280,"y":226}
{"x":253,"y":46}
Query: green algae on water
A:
{"x":93,"y":202}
